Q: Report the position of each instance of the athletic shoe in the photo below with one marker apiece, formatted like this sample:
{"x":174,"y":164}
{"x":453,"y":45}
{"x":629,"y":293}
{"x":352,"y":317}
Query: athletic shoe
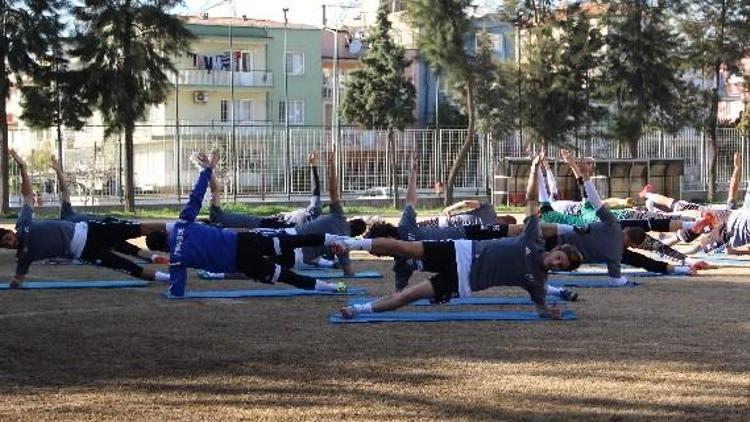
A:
{"x":646,"y":189}
{"x":207,"y":275}
{"x":341,"y":287}
{"x":163,"y":260}
{"x":568,"y":295}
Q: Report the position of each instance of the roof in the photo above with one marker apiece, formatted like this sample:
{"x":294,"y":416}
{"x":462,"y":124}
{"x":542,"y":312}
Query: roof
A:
{"x":242,"y":22}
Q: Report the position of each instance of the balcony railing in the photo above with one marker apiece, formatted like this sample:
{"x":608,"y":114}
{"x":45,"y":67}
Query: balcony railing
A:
{"x":253,"y":78}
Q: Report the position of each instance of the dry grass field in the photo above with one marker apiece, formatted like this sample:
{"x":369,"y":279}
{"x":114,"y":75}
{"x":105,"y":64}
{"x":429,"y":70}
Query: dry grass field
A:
{"x":671,"y":349}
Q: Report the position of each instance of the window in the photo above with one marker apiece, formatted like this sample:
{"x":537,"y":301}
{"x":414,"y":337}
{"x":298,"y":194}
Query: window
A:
{"x":224,"y":113}
{"x":295,"y":62}
{"x":246,"y":110}
{"x":296,"y":112}
{"x":496,"y":44}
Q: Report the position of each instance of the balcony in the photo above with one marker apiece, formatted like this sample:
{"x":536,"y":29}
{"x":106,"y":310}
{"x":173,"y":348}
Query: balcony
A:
{"x":223,"y":78}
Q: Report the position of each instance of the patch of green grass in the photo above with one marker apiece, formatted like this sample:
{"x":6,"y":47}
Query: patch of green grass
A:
{"x":172,"y":212}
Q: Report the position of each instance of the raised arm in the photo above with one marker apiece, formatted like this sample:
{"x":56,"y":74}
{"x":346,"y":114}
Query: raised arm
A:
{"x":61,"y":182}
{"x":734,"y":182}
{"x":469,"y":204}
{"x":215,"y":190}
{"x":333,"y":180}
{"x":26,"y":191}
{"x":193,"y":207}
{"x":532,"y":202}
{"x":411,"y":188}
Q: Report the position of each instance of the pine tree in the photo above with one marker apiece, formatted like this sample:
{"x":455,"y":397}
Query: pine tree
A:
{"x":126,"y":48}
{"x":558,"y":76}
{"x":718,"y":35}
{"x":28,"y":29}
{"x":643,"y":77}
{"x":443,"y":26}
{"x":378,"y":96}
{"x":495,"y":80}
{"x":56,"y":99}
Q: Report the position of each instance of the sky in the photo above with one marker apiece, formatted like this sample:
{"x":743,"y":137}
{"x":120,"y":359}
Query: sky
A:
{"x":300,"y":11}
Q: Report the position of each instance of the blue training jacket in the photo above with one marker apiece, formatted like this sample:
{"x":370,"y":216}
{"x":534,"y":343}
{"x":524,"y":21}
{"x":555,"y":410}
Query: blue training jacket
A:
{"x":197,"y":245}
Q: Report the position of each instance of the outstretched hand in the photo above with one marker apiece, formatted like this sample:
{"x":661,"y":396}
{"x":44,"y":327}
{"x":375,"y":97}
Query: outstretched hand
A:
{"x":215,"y":158}
{"x":312,"y":158}
{"x":55,"y":164}
{"x":737,"y":159}
{"x":585,"y":168}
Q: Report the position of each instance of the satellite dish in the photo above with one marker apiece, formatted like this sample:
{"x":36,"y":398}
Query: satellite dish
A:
{"x":355,"y":46}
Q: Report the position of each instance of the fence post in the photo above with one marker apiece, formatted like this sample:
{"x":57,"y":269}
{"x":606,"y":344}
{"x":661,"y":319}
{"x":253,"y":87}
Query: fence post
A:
{"x":178,"y":163}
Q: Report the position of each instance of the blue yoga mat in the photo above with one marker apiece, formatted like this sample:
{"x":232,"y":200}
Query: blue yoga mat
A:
{"x":41,"y":285}
{"x":399,"y":316}
{"x":325,"y":274}
{"x":588,"y":283}
{"x":467,"y":301}
{"x":722,"y":259}
{"x":234,"y":294}
{"x":603,"y":272}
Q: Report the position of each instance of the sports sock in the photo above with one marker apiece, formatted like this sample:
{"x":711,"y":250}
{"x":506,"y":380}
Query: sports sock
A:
{"x":553,"y":291}
{"x":323,"y":286}
{"x":161,"y":276}
{"x":365,"y":308}
{"x":359,"y":244}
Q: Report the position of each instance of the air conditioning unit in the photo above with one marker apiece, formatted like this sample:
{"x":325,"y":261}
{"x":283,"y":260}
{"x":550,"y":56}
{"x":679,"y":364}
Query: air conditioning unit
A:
{"x":200,"y":97}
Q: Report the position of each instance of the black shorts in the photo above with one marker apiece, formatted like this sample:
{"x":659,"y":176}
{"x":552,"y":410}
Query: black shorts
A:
{"x":440,"y":258}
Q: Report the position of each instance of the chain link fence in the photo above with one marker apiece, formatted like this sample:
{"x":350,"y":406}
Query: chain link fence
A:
{"x":260,"y":162}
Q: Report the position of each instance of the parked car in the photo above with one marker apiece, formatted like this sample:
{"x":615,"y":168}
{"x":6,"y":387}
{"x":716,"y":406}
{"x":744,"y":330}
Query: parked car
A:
{"x":381,"y":192}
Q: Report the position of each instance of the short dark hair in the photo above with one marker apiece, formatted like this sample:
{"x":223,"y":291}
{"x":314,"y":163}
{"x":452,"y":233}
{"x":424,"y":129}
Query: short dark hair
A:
{"x":3,"y":232}
{"x":157,"y":241}
{"x":357,"y":226}
{"x":382,"y":229}
{"x":634,"y":235}
{"x":574,"y":255}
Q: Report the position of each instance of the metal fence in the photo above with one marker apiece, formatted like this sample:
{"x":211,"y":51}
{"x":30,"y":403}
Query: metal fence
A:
{"x":259,"y":162}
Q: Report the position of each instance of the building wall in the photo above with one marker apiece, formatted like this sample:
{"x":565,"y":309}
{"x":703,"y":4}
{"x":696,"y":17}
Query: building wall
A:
{"x":305,"y":87}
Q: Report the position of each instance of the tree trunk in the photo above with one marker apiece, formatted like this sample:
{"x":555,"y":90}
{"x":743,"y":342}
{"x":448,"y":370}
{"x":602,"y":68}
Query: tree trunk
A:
{"x":713,"y":144}
{"x":129,"y":171}
{"x":392,"y":159}
{"x":633,"y":148}
{"x":464,"y":151}
{"x":4,"y":142}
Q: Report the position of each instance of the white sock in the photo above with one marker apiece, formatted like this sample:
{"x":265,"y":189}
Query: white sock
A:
{"x":359,"y":244}
{"x":553,"y":291}
{"x":330,"y":238}
{"x":161,"y":276}
{"x":323,"y":286}
{"x":688,"y":225}
{"x":215,"y":276}
{"x":618,"y":281}
{"x":362,"y":309}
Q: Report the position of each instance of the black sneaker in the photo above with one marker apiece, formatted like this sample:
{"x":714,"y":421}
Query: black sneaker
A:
{"x":568,"y":295}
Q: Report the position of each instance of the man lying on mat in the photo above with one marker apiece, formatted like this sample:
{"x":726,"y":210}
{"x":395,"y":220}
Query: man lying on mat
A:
{"x":465,"y":266}
{"x":195,"y":245}
{"x":88,"y":241}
